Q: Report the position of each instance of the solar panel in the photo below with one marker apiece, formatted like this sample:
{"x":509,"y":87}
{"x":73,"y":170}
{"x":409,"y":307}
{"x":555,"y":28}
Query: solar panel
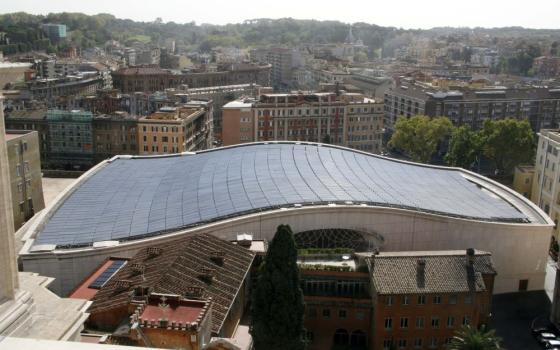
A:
{"x":130,"y":198}
{"x":107,"y":274}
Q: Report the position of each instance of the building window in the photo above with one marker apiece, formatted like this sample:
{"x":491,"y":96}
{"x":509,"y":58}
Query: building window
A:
{"x":388,"y":323}
{"x":404,"y":322}
{"x":453,"y":299}
{"x":358,"y":340}
{"x":437,"y":299}
{"x":387,"y":344}
{"x":450,"y":322}
{"x":433,"y":343}
{"x":360,"y":315}
{"x":421,"y":299}
{"x":524,"y":284}
{"x":435,"y":322}
{"x":468,"y":299}
{"x":466,"y":320}
{"x":309,"y":337}
{"x":418,"y":343}
{"x":341,"y":337}
{"x":406,"y":300}
{"x":402,"y":343}
{"x":18,"y":170}
{"x":341,"y":313}
{"x":389,"y":300}
{"x":419,"y":322}
{"x":327,"y":313}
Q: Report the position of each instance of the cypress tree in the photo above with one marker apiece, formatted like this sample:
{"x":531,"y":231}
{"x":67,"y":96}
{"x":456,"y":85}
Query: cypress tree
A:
{"x":277,"y":304}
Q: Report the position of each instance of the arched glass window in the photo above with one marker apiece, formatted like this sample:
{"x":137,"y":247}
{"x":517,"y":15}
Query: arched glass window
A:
{"x":358,"y":339}
{"x":341,"y":337}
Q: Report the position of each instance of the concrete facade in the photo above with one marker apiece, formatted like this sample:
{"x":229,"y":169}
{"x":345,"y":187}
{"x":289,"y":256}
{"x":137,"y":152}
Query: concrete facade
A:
{"x":25,"y":175}
{"x":8,"y":268}
{"x":396,"y":228}
{"x":545,"y":189}
{"x":523,"y":179}
{"x":402,"y":230}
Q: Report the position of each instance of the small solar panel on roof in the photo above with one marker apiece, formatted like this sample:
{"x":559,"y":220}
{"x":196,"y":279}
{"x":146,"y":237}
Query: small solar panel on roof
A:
{"x":107,"y":274}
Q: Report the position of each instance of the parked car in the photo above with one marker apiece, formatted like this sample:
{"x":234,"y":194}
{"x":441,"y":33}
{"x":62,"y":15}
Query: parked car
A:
{"x":545,"y":337}
{"x":552,"y":344}
{"x":542,"y":329}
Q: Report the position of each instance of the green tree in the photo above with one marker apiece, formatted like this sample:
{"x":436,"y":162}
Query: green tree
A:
{"x":420,"y":136}
{"x":326,"y":139}
{"x":464,"y":147}
{"x":469,"y":338}
{"x":508,"y":142}
{"x":277,"y":305}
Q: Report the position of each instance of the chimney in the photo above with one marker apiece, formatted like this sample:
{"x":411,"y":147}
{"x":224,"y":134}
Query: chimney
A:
{"x":470,"y":256}
{"x":153,"y":251}
{"x":206,"y":274}
{"x":193,"y":292}
{"x":218,"y":257}
{"x":138,"y":269}
{"x":421,"y":267}
{"x":121,"y":285}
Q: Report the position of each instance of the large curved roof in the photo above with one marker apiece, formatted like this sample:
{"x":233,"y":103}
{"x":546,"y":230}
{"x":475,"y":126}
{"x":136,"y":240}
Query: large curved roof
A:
{"x":130,"y":198}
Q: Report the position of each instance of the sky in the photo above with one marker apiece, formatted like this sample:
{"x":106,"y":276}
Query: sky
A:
{"x":397,"y":13}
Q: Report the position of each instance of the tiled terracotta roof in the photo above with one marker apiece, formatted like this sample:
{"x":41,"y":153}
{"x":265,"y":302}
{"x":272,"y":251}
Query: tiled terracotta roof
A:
{"x":443,"y":273}
{"x":178,"y":266}
{"x":141,"y":71}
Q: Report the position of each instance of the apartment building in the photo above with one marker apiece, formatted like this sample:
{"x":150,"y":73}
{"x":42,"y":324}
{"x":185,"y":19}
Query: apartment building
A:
{"x":545,"y":189}
{"x":70,"y":139}
{"x":422,"y":298}
{"x":25,"y":174}
{"x":523,"y":176}
{"x":282,"y":61}
{"x":151,"y":79}
{"x":175,"y":130}
{"x":115,"y":133}
{"x":540,"y":106}
{"x":347,"y":119}
{"x":338,"y":304}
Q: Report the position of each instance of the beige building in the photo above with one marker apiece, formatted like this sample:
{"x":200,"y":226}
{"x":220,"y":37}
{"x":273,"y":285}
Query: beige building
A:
{"x":175,"y":130}
{"x":349,"y":119}
{"x":523,"y":179}
{"x":546,"y":188}
{"x":24,"y":164}
{"x":27,"y":308}
{"x":12,"y":72}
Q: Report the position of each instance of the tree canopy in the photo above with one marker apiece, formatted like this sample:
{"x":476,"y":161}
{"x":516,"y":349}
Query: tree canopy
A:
{"x":508,"y":142}
{"x":277,"y":305}
{"x":419,"y":136}
{"x":465,"y":147}
{"x":469,"y":338}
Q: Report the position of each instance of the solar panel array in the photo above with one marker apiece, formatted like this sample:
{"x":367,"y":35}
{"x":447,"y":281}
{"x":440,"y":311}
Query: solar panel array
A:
{"x":130,"y":198}
{"x":107,"y":274}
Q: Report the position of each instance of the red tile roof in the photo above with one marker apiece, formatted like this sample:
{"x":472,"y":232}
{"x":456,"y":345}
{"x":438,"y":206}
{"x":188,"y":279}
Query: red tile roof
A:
{"x":83,"y":291}
{"x":200,"y":265}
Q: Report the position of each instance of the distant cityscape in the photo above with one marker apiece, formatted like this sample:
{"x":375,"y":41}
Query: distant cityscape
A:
{"x":277,"y":184}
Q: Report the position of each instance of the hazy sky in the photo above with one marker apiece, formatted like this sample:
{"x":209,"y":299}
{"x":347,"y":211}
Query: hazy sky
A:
{"x":398,"y":13}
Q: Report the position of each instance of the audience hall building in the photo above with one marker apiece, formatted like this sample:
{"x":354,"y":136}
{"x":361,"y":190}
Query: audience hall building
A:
{"x":128,"y":203}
